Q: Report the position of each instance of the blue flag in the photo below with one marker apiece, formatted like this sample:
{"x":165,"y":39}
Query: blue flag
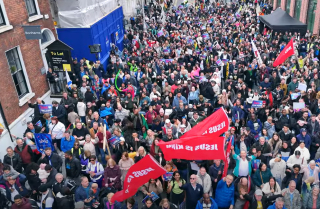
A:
{"x":43,"y":141}
{"x":39,"y":124}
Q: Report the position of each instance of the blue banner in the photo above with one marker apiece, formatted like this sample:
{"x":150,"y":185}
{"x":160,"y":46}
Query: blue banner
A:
{"x":257,"y":104}
{"x":45,"y":108}
{"x":43,"y":141}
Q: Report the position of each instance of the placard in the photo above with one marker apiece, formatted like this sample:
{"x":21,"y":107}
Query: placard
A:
{"x":168,"y":176}
{"x":298,"y":106}
{"x":257,"y":103}
{"x":45,"y":108}
{"x":153,"y":196}
{"x":302,"y":87}
{"x":295,"y":95}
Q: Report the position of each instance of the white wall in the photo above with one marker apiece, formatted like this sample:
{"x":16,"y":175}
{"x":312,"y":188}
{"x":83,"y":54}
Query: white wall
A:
{"x":129,"y":8}
{"x":19,"y":126}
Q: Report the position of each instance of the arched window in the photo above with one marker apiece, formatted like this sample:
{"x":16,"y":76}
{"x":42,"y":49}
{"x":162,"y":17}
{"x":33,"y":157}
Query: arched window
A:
{"x":47,"y":37}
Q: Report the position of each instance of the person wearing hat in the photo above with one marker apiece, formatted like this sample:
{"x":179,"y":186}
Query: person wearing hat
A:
{"x":258,"y":200}
{"x":116,"y":124}
{"x":182,"y":130}
{"x":304,"y":137}
{"x":47,"y":197}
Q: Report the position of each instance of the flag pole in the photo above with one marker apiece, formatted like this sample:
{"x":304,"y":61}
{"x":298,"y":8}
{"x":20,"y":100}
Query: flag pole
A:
{"x":105,"y":140}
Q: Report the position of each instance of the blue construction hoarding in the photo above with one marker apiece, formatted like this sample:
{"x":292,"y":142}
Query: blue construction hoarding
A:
{"x":108,"y":30}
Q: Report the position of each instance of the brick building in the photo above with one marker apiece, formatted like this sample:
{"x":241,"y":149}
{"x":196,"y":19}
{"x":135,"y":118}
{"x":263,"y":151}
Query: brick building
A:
{"x":23,"y":64}
{"x":307,"y":11}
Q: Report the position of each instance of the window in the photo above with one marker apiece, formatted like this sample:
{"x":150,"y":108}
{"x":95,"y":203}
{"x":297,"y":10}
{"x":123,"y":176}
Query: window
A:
{"x":2,"y":20}
{"x":47,"y":38}
{"x":31,"y":7}
{"x":17,"y":72}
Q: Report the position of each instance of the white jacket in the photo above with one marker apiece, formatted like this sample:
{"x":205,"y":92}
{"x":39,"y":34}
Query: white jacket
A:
{"x":304,"y":153}
{"x":293,"y":160}
{"x":81,"y":109}
{"x":207,"y":183}
{"x":266,"y":189}
{"x":278,"y":169}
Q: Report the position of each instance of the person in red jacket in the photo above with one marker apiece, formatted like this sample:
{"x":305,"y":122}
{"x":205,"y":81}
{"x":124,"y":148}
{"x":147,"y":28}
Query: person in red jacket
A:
{"x":25,"y":152}
{"x":150,"y":116}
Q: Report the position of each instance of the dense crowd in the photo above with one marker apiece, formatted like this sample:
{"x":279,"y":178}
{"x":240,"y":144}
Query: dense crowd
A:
{"x":178,"y":66}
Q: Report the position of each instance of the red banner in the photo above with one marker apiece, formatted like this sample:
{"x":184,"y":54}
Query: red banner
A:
{"x":227,"y":160}
{"x":285,"y":53}
{"x":194,"y":148}
{"x":217,"y":124}
{"x":138,"y":174}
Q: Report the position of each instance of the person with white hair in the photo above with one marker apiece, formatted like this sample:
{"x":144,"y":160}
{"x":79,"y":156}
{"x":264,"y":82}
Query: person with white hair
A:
{"x":313,"y":199}
{"x":279,"y":204}
{"x":311,"y":170}
{"x":292,"y":198}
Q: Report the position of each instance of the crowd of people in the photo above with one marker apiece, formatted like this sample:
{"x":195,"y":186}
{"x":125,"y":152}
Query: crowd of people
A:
{"x":179,"y":64}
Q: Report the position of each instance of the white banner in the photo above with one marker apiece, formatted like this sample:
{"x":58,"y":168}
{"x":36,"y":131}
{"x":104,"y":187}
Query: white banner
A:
{"x":256,"y":53}
{"x":83,"y":13}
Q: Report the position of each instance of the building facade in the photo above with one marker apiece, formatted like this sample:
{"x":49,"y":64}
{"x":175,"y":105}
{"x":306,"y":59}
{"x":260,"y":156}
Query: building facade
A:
{"x":307,"y":11}
{"x":23,"y":65}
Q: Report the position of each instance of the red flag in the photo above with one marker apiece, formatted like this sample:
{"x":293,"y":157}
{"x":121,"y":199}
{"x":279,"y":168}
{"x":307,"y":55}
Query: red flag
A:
{"x":285,"y":53}
{"x":226,"y":161}
{"x":216,"y":124}
{"x":205,"y":147}
{"x":138,"y":174}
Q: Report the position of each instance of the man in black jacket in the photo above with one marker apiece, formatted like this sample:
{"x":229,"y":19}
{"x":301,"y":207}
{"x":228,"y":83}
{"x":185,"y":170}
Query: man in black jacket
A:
{"x":59,"y":111}
{"x":33,"y":129}
{"x":50,"y":158}
{"x":73,"y":167}
{"x":48,"y":182}
{"x":13,"y":159}
{"x":37,"y":115}
{"x":258,"y":196}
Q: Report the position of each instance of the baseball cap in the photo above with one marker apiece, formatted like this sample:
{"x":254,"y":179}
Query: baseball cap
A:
{"x":258,"y":192}
{"x":168,"y":121}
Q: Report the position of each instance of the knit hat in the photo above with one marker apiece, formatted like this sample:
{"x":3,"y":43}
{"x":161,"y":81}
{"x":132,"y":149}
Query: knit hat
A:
{"x":43,"y":188}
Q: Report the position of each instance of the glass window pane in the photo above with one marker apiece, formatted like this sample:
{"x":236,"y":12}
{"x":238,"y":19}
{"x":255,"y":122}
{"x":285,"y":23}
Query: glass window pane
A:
{"x":17,"y":73}
{"x":2,"y":22}
{"x":22,"y":83}
{"x":31,"y":7}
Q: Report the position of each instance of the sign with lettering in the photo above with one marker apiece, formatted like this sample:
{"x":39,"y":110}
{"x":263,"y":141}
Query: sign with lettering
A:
{"x":60,"y":59}
{"x":32,"y":32}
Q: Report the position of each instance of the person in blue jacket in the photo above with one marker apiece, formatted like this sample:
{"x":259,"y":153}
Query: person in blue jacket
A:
{"x":237,"y":112}
{"x":255,"y":125}
{"x":206,"y":202}
{"x":67,"y":142}
{"x":304,"y":137}
{"x":225,"y":192}
{"x":177,"y":99}
{"x":279,"y":204}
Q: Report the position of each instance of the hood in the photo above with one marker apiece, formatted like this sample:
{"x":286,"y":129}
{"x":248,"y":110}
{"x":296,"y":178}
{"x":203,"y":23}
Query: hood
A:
{"x":201,"y":201}
{"x":24,"y":202}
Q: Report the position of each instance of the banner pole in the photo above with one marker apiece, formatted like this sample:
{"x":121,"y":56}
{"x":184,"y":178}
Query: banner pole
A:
{"x":5,"y":121}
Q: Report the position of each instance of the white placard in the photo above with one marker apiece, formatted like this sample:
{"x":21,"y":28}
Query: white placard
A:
{"x":302,"y":87}
{"x":298,"y":106}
